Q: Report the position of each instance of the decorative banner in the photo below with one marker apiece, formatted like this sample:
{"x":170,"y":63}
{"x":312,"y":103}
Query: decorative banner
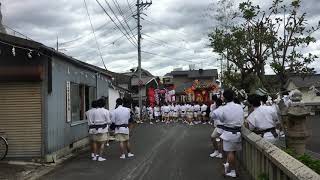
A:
{"x":68,"y":103}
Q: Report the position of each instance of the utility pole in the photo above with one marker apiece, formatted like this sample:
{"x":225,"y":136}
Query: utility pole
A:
{"x":140,"y":5}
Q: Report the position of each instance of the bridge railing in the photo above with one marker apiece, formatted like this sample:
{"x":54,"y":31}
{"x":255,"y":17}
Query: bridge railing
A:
{"x":263,"y":160}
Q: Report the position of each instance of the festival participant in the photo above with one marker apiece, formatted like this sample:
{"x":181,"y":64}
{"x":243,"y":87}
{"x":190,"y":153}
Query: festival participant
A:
{"x":196,"y":113}
{"x":162,"y":113}
{"x":150,"y":114}
{"x":99,"y":129}
{"x":137,"y":114}
{"x":183,"y":112}
{"x":190,"y":113}
{"x":263,"y":120}
{"x":166,"y":110}
{"x":213,"y":105}
{"x":175,"y":112}
{"x":121,"y":116}
{"x":231,"y":116}
{"x":171,"y":113}
{"x":203,"y":109}
{"x":144,"y":114}
{"x":216,"y":141}
{"x":157,"y":113}
{"x":89,"y":115}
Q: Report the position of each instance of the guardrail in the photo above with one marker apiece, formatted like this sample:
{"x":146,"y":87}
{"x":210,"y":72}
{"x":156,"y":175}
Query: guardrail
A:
{"x":263,"y":160}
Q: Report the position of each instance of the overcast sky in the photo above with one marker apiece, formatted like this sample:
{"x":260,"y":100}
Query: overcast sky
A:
{"x":174,"y":31}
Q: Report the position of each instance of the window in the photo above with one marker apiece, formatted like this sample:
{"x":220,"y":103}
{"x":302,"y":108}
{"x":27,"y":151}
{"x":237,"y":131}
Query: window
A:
{"x":81,"y":97}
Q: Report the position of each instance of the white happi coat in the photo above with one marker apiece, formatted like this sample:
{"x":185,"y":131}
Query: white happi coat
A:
{"x":230,"y":115}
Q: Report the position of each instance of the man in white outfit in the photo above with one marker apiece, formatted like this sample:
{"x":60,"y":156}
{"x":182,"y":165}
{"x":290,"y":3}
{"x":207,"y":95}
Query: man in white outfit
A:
{"x":99,"y":129}
{"x":120,"y":118}
{"x":263,"y":120}
{"x":89,"y":115}
{"x":231,"y":116}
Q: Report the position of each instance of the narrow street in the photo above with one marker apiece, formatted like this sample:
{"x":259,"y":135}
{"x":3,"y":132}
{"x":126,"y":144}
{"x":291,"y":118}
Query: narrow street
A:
{"x":163,"y":152}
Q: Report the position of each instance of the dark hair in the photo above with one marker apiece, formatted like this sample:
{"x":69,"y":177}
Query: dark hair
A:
{"x":214,"y":97}
{"x":119,"y":101}
{"x":228,"y":95}
{"x":218,"y":102}
{"x":264,"y":98}
{"x":236,"y":100}
{"x":94,"y":104}
{"x":254,"y":100}
{"x":101,"y":103}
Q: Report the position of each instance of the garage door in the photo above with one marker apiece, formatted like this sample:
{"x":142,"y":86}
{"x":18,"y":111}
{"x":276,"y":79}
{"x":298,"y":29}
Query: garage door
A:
{"x":20,"y":118}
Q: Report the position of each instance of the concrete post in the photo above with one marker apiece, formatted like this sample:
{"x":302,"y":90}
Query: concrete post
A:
{"x":296,"y":130}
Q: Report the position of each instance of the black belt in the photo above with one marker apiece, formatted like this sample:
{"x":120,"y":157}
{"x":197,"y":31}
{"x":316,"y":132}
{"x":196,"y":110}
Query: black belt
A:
{"x":96,"y":126}
{"x":262,"y":132}
{"x":234,"y":130}
{"x":121,"y":125}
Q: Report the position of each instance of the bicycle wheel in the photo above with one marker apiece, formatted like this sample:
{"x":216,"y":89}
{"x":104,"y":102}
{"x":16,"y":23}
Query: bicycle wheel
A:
{"x":3,"y":148}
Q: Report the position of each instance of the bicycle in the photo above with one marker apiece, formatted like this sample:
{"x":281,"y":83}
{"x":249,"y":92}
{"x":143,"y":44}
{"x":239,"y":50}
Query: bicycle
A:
{"x":3,"y":147}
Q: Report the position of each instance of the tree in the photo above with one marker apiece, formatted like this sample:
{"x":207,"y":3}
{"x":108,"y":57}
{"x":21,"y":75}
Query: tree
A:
{"x":257,"y":41}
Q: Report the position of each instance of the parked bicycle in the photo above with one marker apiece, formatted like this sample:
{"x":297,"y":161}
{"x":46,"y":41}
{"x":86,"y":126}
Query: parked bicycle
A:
{"x":3,"y":147}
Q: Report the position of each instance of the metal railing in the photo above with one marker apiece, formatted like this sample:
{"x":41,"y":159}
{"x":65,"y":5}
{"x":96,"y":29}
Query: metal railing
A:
{"x":263,"y":160}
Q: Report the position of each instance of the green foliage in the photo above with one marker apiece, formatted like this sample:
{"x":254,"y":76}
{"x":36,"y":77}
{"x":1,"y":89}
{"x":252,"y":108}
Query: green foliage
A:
{"x":263,"y":176}
{"x":257,"y":40}
{"x":306,"y":159}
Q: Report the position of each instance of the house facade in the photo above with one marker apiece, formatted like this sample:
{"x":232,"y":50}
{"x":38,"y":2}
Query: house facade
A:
{"x":44,"y":95}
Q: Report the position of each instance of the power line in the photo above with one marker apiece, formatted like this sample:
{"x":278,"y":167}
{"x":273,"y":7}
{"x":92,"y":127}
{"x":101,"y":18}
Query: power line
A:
{"x":180,"y":59}
{"x":126,"y":32}
{"x":130,"y":7}
{"x":122,"y":15}
{"x":100,"y":27}
{"x":94,"y":34}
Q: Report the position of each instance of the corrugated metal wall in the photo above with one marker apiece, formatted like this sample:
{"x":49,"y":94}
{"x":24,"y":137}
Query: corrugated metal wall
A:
{"x":61,"y":133}
{"x":20,"y":117}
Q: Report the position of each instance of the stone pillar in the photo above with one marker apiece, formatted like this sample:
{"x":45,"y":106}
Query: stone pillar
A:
{"x":296,"y":129}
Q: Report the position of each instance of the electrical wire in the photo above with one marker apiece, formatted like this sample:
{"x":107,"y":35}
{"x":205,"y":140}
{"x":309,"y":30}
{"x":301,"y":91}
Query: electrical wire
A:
{"x":114,"y":22}
{"x":100,"y":27}
{"x":125,"y":29}
{"x":94,"y":34}
{"x":122,"y":15}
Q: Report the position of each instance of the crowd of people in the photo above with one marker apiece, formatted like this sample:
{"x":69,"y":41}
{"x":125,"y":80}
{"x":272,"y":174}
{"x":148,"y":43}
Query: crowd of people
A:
{"x":226,"y":113}
{"x":228,"y":117}
{"x":101,"y":120}
{"x":190,"y":113}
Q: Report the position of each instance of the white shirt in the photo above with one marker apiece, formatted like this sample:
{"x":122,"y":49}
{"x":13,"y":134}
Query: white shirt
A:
{"x":150,"y":110}
{"x":204,"y":108}
{"x":190,"y":108}
{"x":89,"y":115}
{"x":121,"y":115}
{"x":171,"y":107}
{"x":176,"y":108}
{"x":196,"y":107}
{"x":183,"y":108}
{"x":230,"y":115}
{"x":100,"y":116}
{"x":137,"y":110}
{"x":263,"y":117}
{"x":216,"y":120}
{"x":166,"y":109}
{"x":156,"y":111}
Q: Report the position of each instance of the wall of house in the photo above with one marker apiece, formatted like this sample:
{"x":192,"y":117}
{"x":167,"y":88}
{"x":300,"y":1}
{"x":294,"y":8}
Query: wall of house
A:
{"x":113,"y":96}
{"x":60,"y":133}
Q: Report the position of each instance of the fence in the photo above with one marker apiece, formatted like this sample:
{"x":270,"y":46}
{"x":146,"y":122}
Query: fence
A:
{"x":264,"y":160}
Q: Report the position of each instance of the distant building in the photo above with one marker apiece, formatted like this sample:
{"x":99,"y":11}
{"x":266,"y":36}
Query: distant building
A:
{"x":308,"y":85}
{"x":148,"y":81}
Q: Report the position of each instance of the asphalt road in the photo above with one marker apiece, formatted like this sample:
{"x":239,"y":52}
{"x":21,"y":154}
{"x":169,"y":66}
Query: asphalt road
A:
{"x":162,"y":152}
